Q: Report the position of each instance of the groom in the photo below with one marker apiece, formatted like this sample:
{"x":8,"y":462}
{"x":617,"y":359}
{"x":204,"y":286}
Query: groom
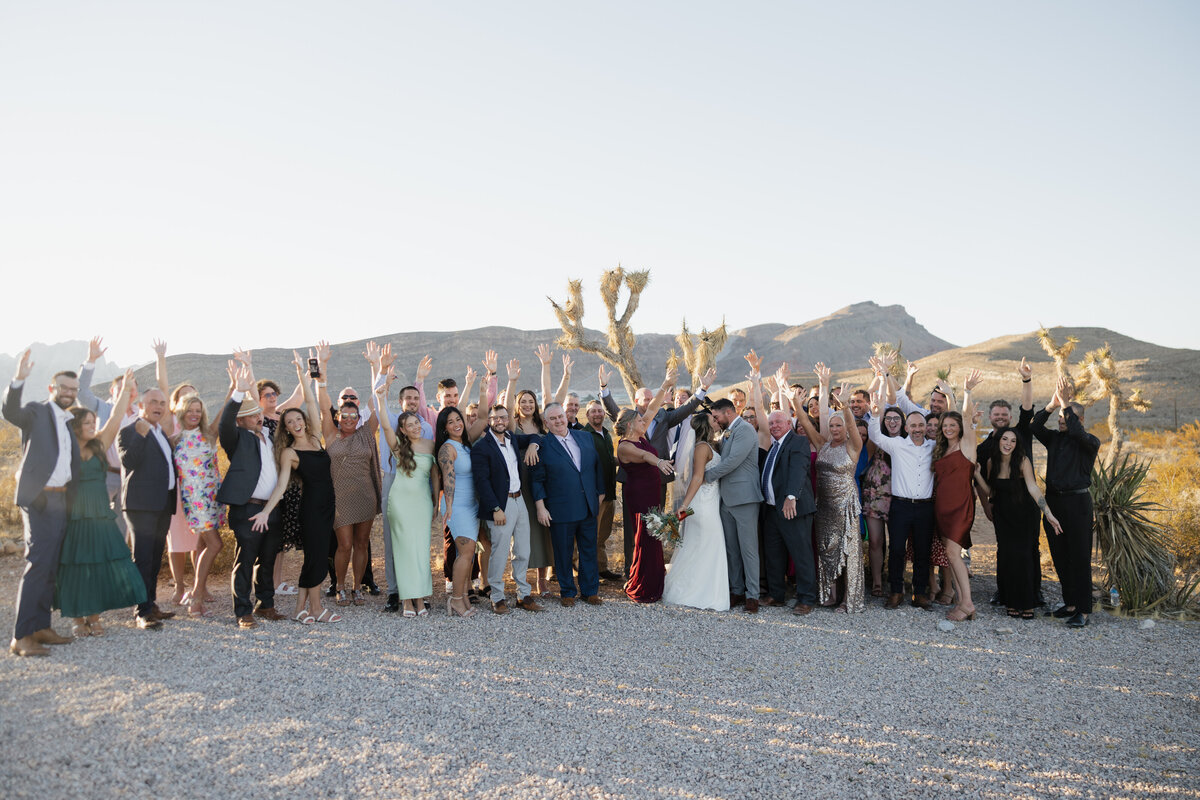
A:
{"x":740,"y":497}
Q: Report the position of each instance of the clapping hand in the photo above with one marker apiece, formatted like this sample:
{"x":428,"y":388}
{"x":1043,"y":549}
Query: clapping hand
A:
{"x":243,"y":381}
{"x":244,"y":356}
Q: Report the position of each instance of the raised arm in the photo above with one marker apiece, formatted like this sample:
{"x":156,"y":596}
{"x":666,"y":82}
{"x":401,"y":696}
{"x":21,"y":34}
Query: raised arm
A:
{"x":510,"y":388}
{"x":423,"y":370}
{"x":661,"y":395}
{"x":610,"y":405}
{"x":853,"y":437}
{"x":385,"y":424}
{"x":564,"y":386}
{"x":87,"y":373}
{"x":753,"y":393}
{"x":823,"y":374}
{"x":164,"y":384}
{"x":108,"y":433}
{"x":543,"y":355}
{"x":328,"y":426}
{"x":1026,"y":373}
{"x":815,"y":439}
{"x":488,"y":385}
{"x":969,"y":439}
{"x":481,"y":425}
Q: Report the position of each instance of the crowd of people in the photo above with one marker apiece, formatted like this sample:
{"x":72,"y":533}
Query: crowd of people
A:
{"x":778,"y":488}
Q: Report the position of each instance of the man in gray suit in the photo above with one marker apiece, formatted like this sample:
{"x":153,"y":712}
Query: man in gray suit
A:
{"x":740,"y":499}
{"x":49,"y":464}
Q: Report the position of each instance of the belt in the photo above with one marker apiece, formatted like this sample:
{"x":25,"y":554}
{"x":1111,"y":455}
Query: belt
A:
{"x":1058,"y":493}
{"x":256,"y":500}
{"x":115,"y":470}
{"x":515,"y":494}
{"x":55,"y":489}
{"x":912,"y":499}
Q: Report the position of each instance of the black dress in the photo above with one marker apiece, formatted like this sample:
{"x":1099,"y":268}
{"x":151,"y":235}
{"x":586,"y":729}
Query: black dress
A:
{"x":316,"y":515}
{"x":1017,"y":520}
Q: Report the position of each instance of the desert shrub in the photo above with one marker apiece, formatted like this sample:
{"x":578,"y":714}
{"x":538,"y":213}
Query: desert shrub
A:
{"x":10,"y":456}
{"x":1173,"y":483}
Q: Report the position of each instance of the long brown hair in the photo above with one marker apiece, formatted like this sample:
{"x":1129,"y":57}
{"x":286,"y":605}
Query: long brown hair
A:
{"x":537,"y":414}
{"x":284,"y":438}
{"x":78,"y":417}
{"x":942,"y":445}
{"x":402,"y":453}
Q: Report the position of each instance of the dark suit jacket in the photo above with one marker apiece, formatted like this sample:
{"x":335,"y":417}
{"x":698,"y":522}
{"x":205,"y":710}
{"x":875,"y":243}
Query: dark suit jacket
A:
{"x":570,"y":495}
{"x":603,"y":443}
{"x":145,"y":470}
{"x":489,"y":470}
{"x":245,"y":462}
{"x":791,"y":473}
{"x":39,"y":445}
{"x":664,"y":421}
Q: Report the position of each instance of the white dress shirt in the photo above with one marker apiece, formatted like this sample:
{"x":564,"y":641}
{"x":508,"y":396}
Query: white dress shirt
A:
{"x":165,"y":446}
{"x":508,"y":449}
{"x":61,"y":475}
{"x":769,"y":496}
{"x":912,"y":477}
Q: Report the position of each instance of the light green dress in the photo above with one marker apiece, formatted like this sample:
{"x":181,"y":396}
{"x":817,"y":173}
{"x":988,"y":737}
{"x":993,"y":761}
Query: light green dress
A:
{"x":410,"y":520}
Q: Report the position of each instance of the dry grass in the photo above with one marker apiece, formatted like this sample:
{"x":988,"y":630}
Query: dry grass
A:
{"x":1174,"y":484}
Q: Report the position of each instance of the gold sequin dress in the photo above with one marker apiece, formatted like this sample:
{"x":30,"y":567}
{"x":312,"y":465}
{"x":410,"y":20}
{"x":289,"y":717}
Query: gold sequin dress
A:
{"x":839,"y":542}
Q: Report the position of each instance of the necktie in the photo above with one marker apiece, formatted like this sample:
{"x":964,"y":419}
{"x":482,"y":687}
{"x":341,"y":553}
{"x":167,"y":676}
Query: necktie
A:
{"x":770,"y":465}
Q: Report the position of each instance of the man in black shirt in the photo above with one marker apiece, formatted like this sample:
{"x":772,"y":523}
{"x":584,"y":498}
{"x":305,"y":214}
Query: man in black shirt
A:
{"x":1070,"y":455}
{"x":1000,"y":417}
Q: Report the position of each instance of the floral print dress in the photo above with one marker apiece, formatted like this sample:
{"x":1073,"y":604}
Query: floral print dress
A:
{"x":196,"y":462}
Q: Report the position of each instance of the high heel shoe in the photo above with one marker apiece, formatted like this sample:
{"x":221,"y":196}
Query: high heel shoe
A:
{"x":94,"y":626}
{"x":450,"y":609}
{"x":959,"y":615}
{"x":80,"y":628}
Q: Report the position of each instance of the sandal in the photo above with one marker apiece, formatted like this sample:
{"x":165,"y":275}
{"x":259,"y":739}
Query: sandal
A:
{"x":80,"y":629}
{"x":358,"y":597}
{"x":944,"y":599}
{"x":451,"y":610}
{"x":877,"y":591}
{"x":343,"y":598}
{"x":1012,"y":612}
{"x":304,"y":618}
{"x":1027,"y":615}
{"x":423,"y":611}
{"x":94,"y":626}
{"x":410,"y":614}
{"x":959,"y":615}
{"x":333,"y":617}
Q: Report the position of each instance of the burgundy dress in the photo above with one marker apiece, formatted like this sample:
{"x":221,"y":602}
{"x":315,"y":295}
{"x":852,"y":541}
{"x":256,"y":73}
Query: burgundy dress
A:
{"x":953,"y":500}
{"x":642,"y":491}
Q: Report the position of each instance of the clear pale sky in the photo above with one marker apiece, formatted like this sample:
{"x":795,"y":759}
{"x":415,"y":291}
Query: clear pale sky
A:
{"x":266,"y":174}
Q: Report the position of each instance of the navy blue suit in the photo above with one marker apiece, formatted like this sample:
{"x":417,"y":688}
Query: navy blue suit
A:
{"x":572,"y":496}
{"x":147,"y":503}
{"x":45,"y":512}
{"x":489,"y":471}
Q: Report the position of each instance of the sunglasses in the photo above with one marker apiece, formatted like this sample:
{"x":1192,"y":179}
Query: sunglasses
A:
{"x":348,"y":415}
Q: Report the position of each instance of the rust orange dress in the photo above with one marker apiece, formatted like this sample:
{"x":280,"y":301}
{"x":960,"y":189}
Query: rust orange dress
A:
{"x":953,"y":500}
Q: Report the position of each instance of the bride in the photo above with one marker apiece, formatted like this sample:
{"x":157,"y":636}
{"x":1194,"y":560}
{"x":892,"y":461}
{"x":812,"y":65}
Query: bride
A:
{"x":699,"y":574}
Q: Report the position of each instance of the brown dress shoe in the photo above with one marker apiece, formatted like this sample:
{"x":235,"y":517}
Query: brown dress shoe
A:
{"x":247,"y":622}
{"x":50,"y":636}
{"x":593,"y":600}
{"x":568,"y":601}
{"x":500,"y":607}
{"x":921,"y":601}
{"x":751,"y":605}
{"x":268,"y":613}
{"x":736,"y":600}
{"x":802,"y":609}
{"x":893,"y":601}
{"x":147,"y":623}
{"x":26,"y":647}
{"x":771,"y":602}
{"x":158,"y":614}
{"x":529,"y":604}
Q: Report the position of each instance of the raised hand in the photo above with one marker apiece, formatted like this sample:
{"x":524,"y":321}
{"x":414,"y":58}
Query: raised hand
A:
{"x":160,"y":347}
{"x":543,"y":354}
{"x":822,"y":372}
{"x":944,"y":388}
{"x":491,"y":361}
{"x":1024,"y":370}
{"x":604,"y":375}
{"x":386,"y":358}
{"x":755,"y":361}
{"x":244,"y":356}
{"x":876,"y":365}
{"x":671,"y":377}
{"x":913,"y":369}
{"x":95,"y":349}
{"x":844,"y":392}
{"x":24,"y":367}
{"x":889,"y":360}
{"x":126,"y":383}
{"x":770,"y":383}
{"x":424,"y":368}
{"x":471,"y":374}
{"x":783,"y":374}
{"x":323,"y":353}
{"x":243,"y":383}
{"x":231,"y":369}
{"x":372,"y":353}
{"x":514,"y":369}
{"x":975,"y":420}
{"x":567,"y":363}
{"x":320,"y":367}
{"x":299,"y":364}
{"x":973,"y":380}
{"x":706,"y":380}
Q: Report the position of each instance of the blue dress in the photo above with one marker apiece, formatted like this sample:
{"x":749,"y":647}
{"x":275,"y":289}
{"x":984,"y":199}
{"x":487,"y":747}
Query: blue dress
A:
{"x":464,"y":522}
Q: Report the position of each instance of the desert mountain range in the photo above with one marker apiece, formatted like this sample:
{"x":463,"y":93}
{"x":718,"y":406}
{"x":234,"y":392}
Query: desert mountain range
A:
{"x":843,"y":340}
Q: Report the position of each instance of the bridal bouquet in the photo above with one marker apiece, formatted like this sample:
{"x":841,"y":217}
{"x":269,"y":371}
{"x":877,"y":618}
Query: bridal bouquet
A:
{"x":663,"y":525}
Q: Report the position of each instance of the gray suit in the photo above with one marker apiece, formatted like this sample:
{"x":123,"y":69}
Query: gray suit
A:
{"x":740,"y":498}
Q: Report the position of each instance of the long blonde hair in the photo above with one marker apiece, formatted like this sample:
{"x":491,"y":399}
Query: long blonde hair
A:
{"x":181,"y":409}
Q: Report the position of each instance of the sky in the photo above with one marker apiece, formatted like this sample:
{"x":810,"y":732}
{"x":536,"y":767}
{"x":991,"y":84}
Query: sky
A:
{"x":225,"y":174}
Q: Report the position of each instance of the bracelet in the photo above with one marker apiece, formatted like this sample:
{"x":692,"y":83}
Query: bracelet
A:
{"x":1026,"y":380}
{"x":321,"y":385}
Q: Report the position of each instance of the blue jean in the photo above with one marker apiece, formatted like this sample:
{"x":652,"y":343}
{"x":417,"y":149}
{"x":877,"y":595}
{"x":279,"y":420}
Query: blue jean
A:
{"x":565,"y":536}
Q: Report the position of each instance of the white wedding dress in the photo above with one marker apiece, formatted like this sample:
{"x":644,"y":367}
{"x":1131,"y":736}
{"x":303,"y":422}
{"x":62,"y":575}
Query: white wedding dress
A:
{"x":699,"y":572}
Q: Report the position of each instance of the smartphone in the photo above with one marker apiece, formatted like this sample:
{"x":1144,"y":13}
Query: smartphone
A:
{"x":314,"y":368}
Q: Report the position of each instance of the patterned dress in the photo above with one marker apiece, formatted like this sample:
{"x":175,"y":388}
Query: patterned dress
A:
{"x":839,"y":545}
{"x":196,"y":465}
{"x":877,"y":486}
{"x":357,"y":484}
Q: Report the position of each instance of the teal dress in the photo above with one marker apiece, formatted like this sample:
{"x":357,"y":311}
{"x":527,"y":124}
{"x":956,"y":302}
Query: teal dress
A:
{"x":410,"y":522}
{"x":95,"y":571}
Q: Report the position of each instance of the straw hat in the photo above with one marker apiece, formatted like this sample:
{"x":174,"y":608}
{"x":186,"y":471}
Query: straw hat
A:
{"x":249,"y":407}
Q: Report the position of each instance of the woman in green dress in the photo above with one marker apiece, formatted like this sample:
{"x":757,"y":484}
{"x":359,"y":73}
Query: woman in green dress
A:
{"x":411,"y":504}
{"x":95,"y":571}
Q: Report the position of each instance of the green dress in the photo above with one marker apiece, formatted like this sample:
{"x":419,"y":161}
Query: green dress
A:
{"x":410,"y":520}
{"x":95,"y":571}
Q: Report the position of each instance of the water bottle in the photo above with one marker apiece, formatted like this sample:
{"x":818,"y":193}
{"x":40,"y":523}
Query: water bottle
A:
{"x":1114,"y":597}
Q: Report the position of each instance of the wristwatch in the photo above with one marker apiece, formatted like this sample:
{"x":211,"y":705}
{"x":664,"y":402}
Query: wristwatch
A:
{"x":790,"y":497}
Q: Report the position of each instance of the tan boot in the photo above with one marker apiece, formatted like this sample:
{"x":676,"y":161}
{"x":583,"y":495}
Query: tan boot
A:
{"x":26,"y":646}
{"x":50,"y":636}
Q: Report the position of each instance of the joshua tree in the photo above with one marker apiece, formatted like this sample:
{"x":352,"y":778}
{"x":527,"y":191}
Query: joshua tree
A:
{"x":885,"y":349}
{"x":1099,"y":374}
{"x":1060,"y":353}
{"x":701,"y":354}
{"x":621,"y":339}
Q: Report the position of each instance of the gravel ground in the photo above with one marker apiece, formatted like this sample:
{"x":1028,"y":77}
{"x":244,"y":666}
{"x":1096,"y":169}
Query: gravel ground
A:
{"x":616,"y":701}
